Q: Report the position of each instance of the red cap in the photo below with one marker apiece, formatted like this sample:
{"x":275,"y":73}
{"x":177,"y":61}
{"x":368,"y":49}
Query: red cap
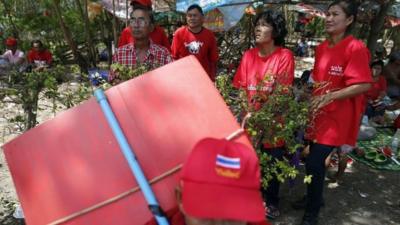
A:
{"x":221,"y":180}
{"x":146,"y":3}
{"x":11,"y":41}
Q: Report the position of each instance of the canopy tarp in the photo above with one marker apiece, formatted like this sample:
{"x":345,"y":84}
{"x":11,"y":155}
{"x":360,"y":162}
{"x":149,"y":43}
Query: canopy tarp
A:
{"x":314,"y":10}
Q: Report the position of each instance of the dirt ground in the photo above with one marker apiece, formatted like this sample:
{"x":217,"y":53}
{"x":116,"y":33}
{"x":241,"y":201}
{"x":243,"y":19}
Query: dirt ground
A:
{"x":364,"y":197}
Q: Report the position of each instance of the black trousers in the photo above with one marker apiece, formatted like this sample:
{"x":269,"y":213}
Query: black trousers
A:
{"x":315,"y":166}
{"x":271,"y":194}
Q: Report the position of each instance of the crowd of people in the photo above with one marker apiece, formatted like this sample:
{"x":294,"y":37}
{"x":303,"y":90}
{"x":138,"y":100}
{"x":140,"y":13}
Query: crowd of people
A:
{"x":347,"y":85}
{"x":37,"y":59}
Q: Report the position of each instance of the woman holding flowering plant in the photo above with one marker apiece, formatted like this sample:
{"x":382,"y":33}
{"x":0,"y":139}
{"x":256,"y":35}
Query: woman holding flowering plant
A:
{"x":262,"y":69}
{"x":341,"y":74}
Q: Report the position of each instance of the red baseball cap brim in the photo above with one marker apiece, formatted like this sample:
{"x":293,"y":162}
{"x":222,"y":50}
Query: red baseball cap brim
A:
{"x":213,"y":201}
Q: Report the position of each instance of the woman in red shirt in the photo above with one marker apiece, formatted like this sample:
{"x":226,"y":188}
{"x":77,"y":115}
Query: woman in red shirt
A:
{"x":271,"y":64}
{"x":341,"y":73}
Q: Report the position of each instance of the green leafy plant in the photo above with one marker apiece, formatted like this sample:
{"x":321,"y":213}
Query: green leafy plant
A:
{"x":124,"y":73}
{"x":274,"y":117}
{"x":24,"y":89}
{"x":27,"y":88}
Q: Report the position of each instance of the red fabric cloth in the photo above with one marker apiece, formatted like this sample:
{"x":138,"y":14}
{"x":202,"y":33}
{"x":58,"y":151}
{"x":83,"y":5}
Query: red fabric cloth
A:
{"x":337,"y":67}
{"x":202,"y":45}
{"x":397,"y":122}
{"x":175,"y":217}
{"x":45,"y":55}
{"x":158,"y":36}
{"x":278,"y":67}
{"x":377,"y":88}
{"x":126,"y":55}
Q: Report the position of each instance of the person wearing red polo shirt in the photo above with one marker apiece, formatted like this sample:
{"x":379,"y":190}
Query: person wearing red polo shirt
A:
{"x":157,"y":34}
{"x":143,"y":51}
{"x":38,"y":56}
{"x":219,"y":184}
{"x":341,"y":75}
{"x":194,"y":39}
{"x":271,"y":64}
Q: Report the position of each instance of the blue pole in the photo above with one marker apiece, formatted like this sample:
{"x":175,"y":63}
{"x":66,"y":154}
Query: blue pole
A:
{"x":130,"y":157}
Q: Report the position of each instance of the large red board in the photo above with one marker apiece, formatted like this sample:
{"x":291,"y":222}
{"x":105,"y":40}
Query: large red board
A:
{"x":73,"y":161}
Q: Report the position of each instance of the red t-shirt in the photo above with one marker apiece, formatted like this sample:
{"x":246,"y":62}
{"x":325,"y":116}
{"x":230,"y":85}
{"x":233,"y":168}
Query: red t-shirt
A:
{"x":44,"y":55}
{"x":158,"y":37}
{"x":337,"y":67}
{"x":277,"y":67}
{"x":377,"y":88}
{"x":202,"y":45}
{"x":175,"y":217}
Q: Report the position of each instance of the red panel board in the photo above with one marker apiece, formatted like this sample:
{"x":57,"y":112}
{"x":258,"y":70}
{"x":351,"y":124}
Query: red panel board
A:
{"x":73,"y":161}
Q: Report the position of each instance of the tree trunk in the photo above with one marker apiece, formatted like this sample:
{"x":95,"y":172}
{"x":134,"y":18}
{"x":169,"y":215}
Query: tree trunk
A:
{"x":127,"y":11}
{"x":88,"y":33}
{"x":377,"y":26}
{"x":107,"y":34}
{"x":80,"y":60}
{"x":31,"y":109}
{"x":115,"y":24}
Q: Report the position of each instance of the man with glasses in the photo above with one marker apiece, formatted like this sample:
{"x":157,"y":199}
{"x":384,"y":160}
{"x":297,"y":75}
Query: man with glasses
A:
{"x":194,"y":39}
{"x":143,"y":51}
{"x":157,"y":34}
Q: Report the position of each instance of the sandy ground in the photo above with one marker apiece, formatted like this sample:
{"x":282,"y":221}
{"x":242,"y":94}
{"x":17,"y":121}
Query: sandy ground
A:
{"x":8,"y":196}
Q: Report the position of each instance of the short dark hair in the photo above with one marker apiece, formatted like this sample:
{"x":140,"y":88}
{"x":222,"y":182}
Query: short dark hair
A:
{"x":195,"y":6}
{"x":278,"y":23}
{"x":39,"y":42}
{"x":377,"y":63}
{"x":350,"y":8}
{"x":146,"y":9}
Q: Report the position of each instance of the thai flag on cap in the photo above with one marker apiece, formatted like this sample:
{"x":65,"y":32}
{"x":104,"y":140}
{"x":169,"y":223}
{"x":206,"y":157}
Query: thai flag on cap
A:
{"x":228,"y":162}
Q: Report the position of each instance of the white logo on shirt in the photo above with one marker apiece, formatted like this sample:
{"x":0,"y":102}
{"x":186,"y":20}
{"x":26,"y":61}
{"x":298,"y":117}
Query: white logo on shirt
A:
{"x":336,"y":70}
{"x":267,"y":87}
{"x":194,"y":47}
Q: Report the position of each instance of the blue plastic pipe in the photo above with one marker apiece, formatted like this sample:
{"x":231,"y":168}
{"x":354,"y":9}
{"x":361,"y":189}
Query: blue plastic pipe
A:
{"x":130,"y":157}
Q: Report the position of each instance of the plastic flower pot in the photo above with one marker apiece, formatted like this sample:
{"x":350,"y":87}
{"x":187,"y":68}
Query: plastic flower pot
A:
{"x":371,"y":155}
{"x":380,"y":159}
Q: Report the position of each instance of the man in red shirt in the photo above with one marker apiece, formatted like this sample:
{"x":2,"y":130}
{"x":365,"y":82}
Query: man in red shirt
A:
{"x":38,"y":56}
{"x":375,"y":110}
{"x":219,"y":184}
{"x":196,"y":40}
{"x":157,"y":34}
{"x":143,"y":51}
